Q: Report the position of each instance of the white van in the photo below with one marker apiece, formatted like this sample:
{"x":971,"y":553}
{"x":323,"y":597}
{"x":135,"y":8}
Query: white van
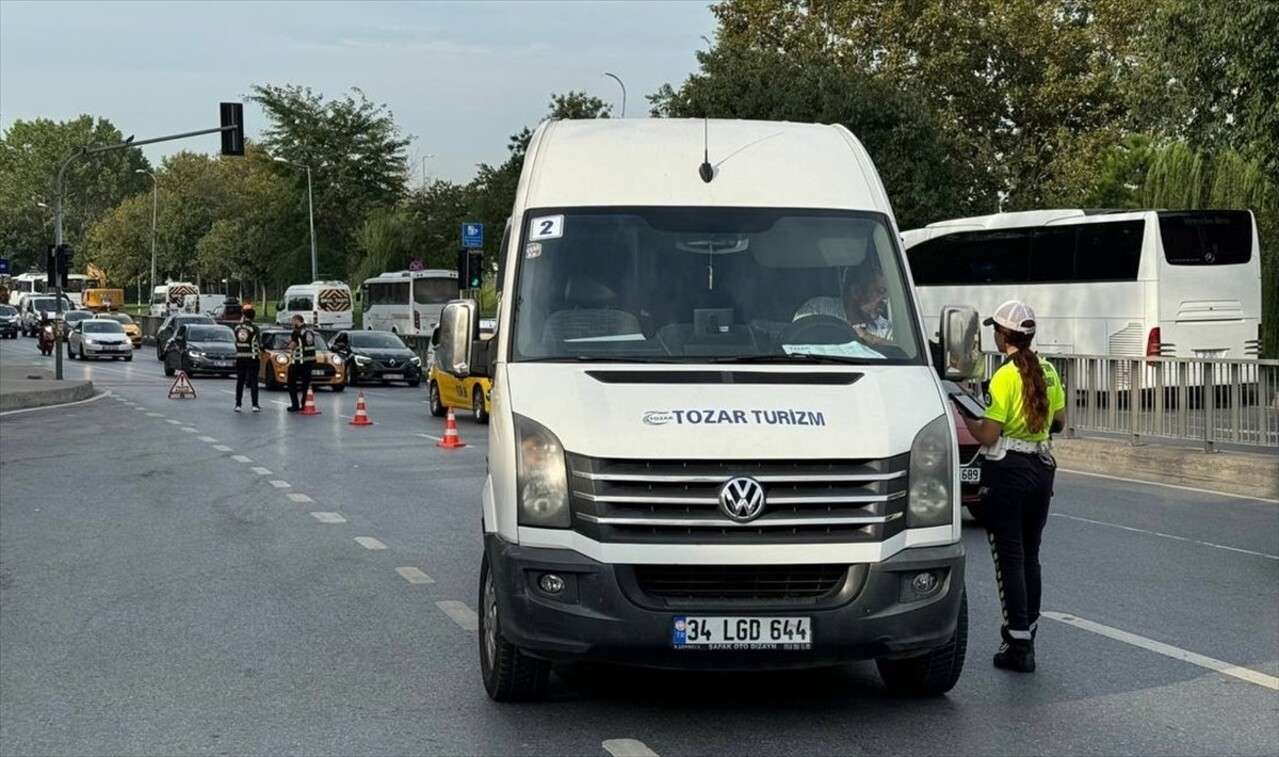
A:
{"x":324,"y":304}
{"x":686,"y":468}
{"x":171,"y":297}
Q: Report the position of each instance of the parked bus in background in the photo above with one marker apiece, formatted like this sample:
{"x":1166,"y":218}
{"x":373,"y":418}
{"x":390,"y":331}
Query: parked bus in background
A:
{"x":1183,"y":284}
{"x":76,"y":284}
{"x":407,"y":302}
{"x":170,"y":297}
{"x":26,"y":283}
{"x":324,"y":304}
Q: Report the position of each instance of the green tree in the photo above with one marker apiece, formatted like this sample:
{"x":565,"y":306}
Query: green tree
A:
{"x":357,"y":159}
{"x":31,"y":152}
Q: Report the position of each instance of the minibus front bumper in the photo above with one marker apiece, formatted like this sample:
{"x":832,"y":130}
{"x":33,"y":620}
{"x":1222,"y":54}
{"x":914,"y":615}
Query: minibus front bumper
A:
{"x":610,"y":613}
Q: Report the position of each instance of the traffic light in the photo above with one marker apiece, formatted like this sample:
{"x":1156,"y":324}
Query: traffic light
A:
{"x":65,"y":253}
{"x":51,"y":267}
{"x":470,"y":269}
{"x":232,"y":128}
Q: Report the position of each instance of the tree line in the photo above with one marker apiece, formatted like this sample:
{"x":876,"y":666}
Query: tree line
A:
{"x":967,"y":107}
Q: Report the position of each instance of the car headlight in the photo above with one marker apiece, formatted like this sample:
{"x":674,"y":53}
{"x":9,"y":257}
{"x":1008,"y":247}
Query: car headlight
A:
{"x":335,"y":360}
{"x":361,"y":360}
{"x":91,"y":341}
{"x":281,"y":359}
{"x":930,"y":496}
{"x":195,"y":353}
{"x":415,"y":360}
{"x":541,"y":476}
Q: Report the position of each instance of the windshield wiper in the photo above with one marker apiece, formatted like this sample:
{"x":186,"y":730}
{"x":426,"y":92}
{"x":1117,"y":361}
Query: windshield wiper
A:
{"x":797,"y":357}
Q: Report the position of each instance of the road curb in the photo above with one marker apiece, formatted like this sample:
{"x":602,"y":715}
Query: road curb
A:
{"x":1244,"y":473}
{"x":68,"y":391}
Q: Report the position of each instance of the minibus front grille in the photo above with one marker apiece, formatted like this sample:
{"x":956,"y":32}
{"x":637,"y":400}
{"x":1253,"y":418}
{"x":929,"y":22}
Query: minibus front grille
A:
{"x":806,"y":501}
{"x":740,"y":582}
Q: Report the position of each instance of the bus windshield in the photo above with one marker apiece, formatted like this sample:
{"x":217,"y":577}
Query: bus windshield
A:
{"x":682,"y":284}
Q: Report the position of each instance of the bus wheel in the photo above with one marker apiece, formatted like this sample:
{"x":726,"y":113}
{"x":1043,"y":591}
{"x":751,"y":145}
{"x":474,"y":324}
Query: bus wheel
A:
{"x":437,"y":407}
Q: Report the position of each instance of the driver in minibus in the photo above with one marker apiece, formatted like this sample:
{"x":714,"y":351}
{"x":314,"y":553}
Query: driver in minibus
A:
{"x":863,"y":304}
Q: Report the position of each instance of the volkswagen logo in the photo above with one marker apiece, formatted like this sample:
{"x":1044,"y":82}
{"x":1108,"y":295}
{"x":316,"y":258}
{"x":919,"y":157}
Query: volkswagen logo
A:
{"x":742,"y":499}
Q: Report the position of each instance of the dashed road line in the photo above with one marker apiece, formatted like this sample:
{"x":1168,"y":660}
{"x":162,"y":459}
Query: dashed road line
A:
{"x":190,"y":430}
{"x":1165,"y":536}
{"x":433,"y":438}
{"x":628,"y":748}
{"x":1194,"y":489}
{"x":414,"y":576}
{"x":328,"y":517}
{"x":368,"y":542}
{"x":155,"y":415}
{"x":263,"y":471}
{"x":208,"y":440}
{"x":281,"y":484}
{"x":173,"y":422}
{"x":242,"y":459}
{"x":294,"y":496}
{"x":221,"y":448}
{"x":460,"y":613}
{"x":1167,"y":650}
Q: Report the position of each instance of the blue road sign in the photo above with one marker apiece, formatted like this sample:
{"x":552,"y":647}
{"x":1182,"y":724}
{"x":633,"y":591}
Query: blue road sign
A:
{"x":4,"y":266}
{"x":472,"y":235}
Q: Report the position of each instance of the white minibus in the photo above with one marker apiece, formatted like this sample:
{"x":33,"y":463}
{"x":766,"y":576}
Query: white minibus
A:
{"x":407,"y":302}
{"x":325,"y":304}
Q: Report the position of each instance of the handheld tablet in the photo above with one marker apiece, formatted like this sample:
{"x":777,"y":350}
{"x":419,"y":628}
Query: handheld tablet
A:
{"x":968,"y":405}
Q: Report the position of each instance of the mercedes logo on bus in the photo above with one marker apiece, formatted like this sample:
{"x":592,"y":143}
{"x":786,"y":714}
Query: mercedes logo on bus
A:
{"x":742,"y":499}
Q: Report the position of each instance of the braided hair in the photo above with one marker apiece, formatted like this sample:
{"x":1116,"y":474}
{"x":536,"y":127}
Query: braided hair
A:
{"x":1035,"y":398}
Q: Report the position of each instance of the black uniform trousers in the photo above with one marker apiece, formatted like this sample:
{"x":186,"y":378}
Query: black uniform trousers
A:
{"x":1014,"y":509}
{"x":299,"y":383}
{"x":246,"y":374}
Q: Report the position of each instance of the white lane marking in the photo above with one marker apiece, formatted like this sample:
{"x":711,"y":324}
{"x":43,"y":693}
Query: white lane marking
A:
{"x":281,"y":403}
{"x":368,"y":542}
{"x":94,"y":398}
{"x":227,"y":391}
{"x":221,"y":448}
{"x":242,"y":459}
{"x":299,"y":497}
{"x":173,"y":422}
{"x":460,"y":613}
{"x":155,"y":415}
{"x":1167,"y":486}
{"x":414,"y":576}
{"x":428,"y":436}
{"x":208,"y":440}
{"x":190,"y":430}
{"x":628,"y":748}
{"x":1225,"y":668}
{"x":1165,"y":536}
{"x":328,"y":517}
{"x":263,"y":471}
{"x":281,"y":484}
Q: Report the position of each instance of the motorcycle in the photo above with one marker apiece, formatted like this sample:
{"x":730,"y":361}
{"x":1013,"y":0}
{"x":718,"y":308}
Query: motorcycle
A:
{"x":48,"y":340}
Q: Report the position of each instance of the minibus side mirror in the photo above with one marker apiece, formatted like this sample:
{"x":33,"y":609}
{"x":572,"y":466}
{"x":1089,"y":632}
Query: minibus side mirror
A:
{"x":961,"y":344}
{"x":459,"y":328}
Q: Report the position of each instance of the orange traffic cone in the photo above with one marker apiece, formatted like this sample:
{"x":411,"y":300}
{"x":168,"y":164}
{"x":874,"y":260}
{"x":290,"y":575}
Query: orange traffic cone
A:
{"x":361,"y":413}
{"x":451,"y":440}
{"x":308,"y":408}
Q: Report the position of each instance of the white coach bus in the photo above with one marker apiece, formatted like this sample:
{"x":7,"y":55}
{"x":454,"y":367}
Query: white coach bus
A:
{"x":407,"y":302}
{"x":1183,"y":284}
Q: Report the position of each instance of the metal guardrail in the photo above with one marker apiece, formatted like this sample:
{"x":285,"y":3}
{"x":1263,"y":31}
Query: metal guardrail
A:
{"x":1207,"y":400}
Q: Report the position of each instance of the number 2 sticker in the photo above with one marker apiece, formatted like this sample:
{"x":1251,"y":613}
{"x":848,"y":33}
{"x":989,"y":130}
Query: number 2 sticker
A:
{"x":546,"y":227}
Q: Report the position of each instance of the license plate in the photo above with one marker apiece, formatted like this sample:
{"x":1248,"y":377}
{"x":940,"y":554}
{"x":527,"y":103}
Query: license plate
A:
{"x":741,"y":633}
{"x":222,"y":363}
{"x":390,"y":376}
{"x":970,"y":475}
{"x":317,"y":374}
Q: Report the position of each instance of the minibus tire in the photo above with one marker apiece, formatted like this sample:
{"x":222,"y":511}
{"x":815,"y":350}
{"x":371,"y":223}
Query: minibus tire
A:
{"x":437,"y":406}
{"x":934,"y":673}
{"x":477,"y":406}
{"x":510,"y":675}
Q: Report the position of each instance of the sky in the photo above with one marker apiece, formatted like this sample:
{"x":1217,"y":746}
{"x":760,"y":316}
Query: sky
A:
{"x":459,"y":77}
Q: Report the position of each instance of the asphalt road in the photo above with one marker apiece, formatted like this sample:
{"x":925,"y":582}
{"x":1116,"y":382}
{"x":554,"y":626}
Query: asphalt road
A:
{"x":179,"y":579}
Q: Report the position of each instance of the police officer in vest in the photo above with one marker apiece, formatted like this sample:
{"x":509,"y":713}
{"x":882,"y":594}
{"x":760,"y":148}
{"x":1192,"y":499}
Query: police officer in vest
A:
{"x":1027,"y":401}
{"x":248,"y":350}
{"x":302,"y":355}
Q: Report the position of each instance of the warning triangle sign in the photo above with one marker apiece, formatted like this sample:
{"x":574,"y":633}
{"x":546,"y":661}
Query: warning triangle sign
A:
{"x":182,"y":387}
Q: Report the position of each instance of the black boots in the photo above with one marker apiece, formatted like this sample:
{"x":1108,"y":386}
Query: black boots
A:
{"x":1017,"y":655}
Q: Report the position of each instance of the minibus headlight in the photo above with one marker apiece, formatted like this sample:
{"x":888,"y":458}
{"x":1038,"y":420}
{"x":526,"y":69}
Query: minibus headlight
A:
{"x":541,"y":476}
{"x":930,"y":496}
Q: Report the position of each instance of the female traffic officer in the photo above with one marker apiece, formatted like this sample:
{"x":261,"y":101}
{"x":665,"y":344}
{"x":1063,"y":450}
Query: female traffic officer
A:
{"x":1026,"y":400}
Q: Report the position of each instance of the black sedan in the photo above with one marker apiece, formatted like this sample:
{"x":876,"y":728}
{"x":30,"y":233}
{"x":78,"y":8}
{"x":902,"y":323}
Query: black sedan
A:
{"x":201,"y":348}
{"x":9,"y":320}
{"x":71,"y":318}
{"x":377,"y":356}
{"x":171,"y":326}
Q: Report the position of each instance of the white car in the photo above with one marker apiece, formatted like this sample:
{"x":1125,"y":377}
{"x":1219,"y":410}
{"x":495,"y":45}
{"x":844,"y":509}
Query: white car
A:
{"x":99,"y":337}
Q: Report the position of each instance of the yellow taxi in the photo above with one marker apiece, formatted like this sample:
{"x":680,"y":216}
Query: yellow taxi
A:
{"x":131,"y":329}
{"x":471,"y":393}
{"x":329,"y":369}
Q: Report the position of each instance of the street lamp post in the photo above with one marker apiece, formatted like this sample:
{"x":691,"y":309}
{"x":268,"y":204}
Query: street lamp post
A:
{"x":615,"y":78}
{"x":310,"y":206}
{"x":424,"y":159}
{"x":155,"y":203}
